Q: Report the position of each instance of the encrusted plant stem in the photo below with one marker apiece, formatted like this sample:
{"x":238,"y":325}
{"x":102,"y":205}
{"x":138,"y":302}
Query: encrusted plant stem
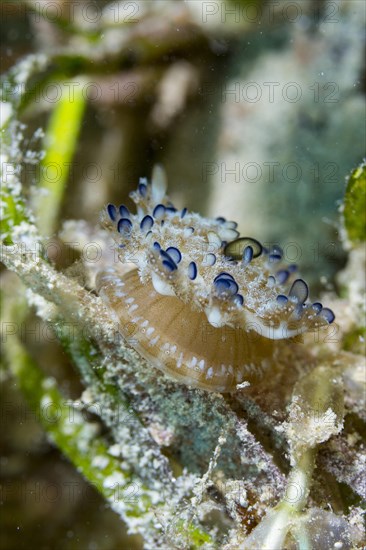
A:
{"x":299,"y":481}
{"x":68,"y":429}
{"x":315,"y":413}
{"x":296,"y":495}
{"x":272,"y":531}
{"x":106,"y":468}
{"x":79,"y":307}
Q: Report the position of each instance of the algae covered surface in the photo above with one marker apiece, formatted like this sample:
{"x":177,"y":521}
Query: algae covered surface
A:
{"x":255,"y":110}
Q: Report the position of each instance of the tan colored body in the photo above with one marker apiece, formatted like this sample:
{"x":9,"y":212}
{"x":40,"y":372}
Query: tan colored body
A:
{"x":181,"y":342}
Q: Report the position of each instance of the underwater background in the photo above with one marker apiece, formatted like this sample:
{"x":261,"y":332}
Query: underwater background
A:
{"x":256,"y":111}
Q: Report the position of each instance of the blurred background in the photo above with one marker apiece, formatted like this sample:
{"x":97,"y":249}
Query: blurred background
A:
{"x":255,"y":109}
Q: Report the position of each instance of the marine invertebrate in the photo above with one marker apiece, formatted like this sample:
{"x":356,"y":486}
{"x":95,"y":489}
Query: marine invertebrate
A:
{"x":203,"y":304}
{"x":169,"y":429}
